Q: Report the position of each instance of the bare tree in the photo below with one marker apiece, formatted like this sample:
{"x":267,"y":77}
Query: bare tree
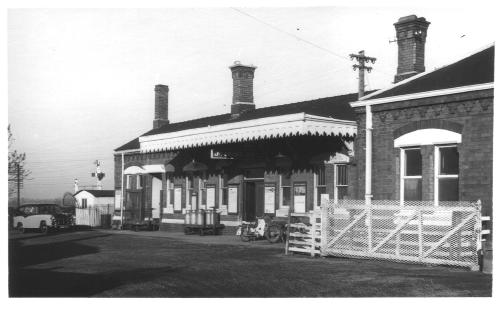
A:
{"x":17,"y":172}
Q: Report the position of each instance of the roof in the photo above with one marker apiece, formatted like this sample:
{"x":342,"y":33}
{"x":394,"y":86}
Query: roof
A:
{"x":472,"y":70}
{"x":98,"y":193}
{"x":335,"y":107}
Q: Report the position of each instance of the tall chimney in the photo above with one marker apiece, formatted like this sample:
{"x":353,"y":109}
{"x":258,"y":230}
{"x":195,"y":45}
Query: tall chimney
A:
{"x":411,"y":32}
{"x":242,"y":88}
{"x":161,"y":106}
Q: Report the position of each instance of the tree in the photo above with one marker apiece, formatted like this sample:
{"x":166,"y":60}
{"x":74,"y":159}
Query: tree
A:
{"x":17,"y":172}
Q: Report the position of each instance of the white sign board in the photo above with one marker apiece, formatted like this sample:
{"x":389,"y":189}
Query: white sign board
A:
{"x":232,"y":204}
{"x":118,"y":199}
{"x":299,"y":198}
{"x":269,"y":198}
{"x":211,"y":197}
{"x":178,"y":198}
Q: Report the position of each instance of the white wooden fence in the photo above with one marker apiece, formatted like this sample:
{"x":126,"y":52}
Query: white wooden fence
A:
{"x":92,"y":215}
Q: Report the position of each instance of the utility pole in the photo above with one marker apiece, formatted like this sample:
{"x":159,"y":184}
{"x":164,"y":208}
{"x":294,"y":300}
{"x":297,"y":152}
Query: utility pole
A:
{"x":18,"y":184}
{"x":362,"y":60}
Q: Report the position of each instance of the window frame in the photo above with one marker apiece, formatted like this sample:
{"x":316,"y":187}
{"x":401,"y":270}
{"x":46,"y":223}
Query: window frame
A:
{"x":336,"y":180}
{"x":437,"y":171}
{"x":317,"y":197}
{"x":281,"y":186}
{"x":402,"y":172}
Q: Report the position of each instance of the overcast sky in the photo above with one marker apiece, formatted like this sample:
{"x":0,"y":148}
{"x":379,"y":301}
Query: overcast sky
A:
{"x":80,"y":81}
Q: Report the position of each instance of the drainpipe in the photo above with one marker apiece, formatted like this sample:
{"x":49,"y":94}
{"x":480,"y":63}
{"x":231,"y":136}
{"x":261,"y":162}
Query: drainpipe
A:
{"x":368,"y":156}
{"x":123,"y":191}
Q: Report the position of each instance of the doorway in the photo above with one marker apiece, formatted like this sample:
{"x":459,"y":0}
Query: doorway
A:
{"x":253,"y":200}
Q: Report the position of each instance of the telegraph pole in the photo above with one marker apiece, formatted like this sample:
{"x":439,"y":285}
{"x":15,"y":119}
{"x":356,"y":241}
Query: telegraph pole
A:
{"x":18,"y":184}
{"x":362,"y":60}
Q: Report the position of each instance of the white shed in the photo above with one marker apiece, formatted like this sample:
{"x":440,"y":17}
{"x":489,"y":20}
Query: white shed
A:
{"x":91,"y":204}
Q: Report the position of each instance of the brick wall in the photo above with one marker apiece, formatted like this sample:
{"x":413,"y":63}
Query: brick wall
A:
{"x":471,"y":112}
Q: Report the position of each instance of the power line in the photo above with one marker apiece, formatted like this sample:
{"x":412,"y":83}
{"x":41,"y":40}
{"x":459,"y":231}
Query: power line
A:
{"x":291,"y":34}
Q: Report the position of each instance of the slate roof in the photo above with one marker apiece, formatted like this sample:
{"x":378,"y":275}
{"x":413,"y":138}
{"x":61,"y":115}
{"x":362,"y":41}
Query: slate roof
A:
{"x":98,"y":193}
{"x":476,"y":69}
{"x":337,"y":107}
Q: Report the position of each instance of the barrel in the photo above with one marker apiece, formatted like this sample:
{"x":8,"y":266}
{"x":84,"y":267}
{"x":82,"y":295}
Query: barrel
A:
{"x":199,"y":217}
{"x":187,"y":217}
{"x":192,"y":214}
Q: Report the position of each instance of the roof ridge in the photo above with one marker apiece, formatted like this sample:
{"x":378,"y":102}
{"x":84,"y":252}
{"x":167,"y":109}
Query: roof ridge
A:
{"x":405,"y":81}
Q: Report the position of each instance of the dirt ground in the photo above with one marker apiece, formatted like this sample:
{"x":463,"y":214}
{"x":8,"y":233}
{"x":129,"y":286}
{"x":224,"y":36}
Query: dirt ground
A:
{"x":156,"y":264}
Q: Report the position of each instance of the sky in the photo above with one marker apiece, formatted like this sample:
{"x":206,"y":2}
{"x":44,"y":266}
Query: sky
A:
{"x":81,"y":81}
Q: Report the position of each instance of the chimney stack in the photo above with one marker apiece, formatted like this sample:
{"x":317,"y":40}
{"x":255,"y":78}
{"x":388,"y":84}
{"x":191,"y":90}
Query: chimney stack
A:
{"x":411,"y":32}
{"x":242,"y":88}
{"x":161,"y":106}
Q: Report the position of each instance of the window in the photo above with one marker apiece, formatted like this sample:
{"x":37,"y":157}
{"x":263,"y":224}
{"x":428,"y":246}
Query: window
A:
{"x":203,"y":193}
{"x":342,"y":181}
{"x":171,"y":191}
{"x":320,"y":184}
{"x":139,"y":181}
{"x":411,"y":174}
{"x":224,"y":189}
{"x":84,"y":203}
{"x":129,"y":181}
{"x":446,"y":173}
{"x":190,"y":192}
{"x":286,"y":189}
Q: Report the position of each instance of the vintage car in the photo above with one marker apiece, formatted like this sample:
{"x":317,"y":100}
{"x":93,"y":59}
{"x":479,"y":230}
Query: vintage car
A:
{"x":44,"y":217}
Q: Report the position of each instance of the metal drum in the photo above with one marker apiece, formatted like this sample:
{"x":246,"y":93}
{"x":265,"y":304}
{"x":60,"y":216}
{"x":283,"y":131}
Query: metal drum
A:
{"x":187,"y":218}
{"x":199,"y":217}
{"x":192,"y":215}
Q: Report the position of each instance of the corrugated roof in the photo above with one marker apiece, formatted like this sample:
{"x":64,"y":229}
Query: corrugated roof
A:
{"x":476,"y":69}
{"x":337,"y":107}
{"x":98,"y":193}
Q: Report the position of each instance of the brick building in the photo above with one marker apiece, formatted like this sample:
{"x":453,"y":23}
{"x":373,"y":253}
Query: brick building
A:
{"x":431,"y":132}
{"x":245,"y":163}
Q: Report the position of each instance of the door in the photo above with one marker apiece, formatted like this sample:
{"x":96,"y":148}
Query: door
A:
{"x":253,"y":200}
{"x":135,"y":203}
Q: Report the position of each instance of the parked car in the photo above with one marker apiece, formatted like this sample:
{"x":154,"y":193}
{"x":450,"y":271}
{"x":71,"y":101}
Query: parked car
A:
{"x":44,"y":217}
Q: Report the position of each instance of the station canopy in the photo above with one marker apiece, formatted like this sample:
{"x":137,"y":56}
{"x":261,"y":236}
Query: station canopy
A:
{"x":298,"y":124}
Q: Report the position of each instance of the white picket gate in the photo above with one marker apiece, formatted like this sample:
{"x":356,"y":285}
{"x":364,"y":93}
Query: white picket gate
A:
{"x":417,"y":232}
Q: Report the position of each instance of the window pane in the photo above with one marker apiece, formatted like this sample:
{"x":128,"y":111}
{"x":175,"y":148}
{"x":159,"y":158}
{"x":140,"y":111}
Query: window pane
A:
{"x":413,"y":163}
{"x":320,"y":190}
{"x":449,"y":160}
{"x":342,"y":192}
{"x":224,"y":196}
{"x":286,"y":195}
{"x":448,"y":189}
{"x":342,"y":175}
{"x":413,"y":189}
{"x":171,"y":194}
{"x":321,"y":176}
{"x":204,"y":197}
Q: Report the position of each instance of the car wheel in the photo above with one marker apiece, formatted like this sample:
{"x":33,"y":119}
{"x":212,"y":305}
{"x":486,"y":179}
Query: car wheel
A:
{"x":44,"y":229}
{"x":20,"y":228}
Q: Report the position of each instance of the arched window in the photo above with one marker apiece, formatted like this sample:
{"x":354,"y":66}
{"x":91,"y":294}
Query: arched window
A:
{"x":445,"y":166}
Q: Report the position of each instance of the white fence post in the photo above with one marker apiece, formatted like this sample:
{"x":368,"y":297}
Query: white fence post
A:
{"x":420,"y":236}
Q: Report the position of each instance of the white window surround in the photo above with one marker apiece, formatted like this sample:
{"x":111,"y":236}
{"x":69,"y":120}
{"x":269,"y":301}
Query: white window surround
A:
{"x":439,"y":138}
{"x":429,"y":136}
